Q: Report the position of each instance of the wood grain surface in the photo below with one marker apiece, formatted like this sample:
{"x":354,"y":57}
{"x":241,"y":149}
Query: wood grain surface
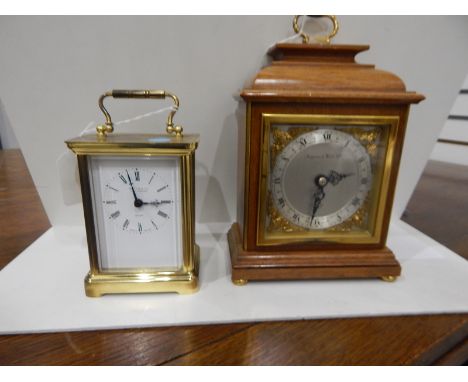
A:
{"x":409,"y":340}
{"x":322,"y":80}
{"x":335,"y":78}
{"x":22,"y":217}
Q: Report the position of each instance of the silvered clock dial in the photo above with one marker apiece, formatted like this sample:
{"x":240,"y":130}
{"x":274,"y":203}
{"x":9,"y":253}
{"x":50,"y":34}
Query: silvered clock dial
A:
{"x":321,"y":178}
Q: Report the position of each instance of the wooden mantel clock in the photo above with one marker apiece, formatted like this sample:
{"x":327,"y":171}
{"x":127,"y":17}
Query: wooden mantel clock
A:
{"x":324,"y":137}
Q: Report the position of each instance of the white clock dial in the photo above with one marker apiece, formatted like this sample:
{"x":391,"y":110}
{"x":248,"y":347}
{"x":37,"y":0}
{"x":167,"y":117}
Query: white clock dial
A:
{"x":137,"y":208}
{"x":147,"y":212}
{"x":321,"y":179}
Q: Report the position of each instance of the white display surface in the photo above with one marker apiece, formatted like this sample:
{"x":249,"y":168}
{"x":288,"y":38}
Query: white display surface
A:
{"x":42,"y":289}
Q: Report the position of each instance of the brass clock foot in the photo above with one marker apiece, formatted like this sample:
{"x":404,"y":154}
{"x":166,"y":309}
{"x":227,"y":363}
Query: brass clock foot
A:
{"x":239,"y":282}
{"x":389,"y":279}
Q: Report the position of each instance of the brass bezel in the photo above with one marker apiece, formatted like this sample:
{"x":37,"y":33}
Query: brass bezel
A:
{"x":377,"y":204}
{"x":184,"y":280}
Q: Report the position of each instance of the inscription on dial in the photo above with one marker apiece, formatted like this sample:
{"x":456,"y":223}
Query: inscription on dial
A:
{"x":321,"y":179}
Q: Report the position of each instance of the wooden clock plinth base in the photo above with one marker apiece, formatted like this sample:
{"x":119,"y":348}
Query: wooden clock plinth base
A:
{"x":250,"y":265}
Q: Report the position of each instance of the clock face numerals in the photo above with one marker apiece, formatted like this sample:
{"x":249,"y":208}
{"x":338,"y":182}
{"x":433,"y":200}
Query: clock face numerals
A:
{"x":321,"y":179}
{"x":137,"y":200}
{"x":137,"y":212}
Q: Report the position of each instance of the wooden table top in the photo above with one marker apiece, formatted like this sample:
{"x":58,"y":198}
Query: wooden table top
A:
{"x":434,"y":209}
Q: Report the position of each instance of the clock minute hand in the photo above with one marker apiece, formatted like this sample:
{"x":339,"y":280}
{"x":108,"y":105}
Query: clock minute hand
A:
{"x":321,"y":181}
{"x":318,"y":197}
{"x":137,"y":202}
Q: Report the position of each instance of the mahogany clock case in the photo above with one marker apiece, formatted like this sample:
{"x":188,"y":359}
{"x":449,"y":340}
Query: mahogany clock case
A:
{"x":318,"y":80}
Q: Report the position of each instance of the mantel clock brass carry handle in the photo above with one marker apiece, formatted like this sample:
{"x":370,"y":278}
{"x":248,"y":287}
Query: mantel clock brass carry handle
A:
{"x":322,"y":39}
{"x":108,"y":127}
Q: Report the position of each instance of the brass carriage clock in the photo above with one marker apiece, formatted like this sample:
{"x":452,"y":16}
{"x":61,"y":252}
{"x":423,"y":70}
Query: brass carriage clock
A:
{"x":138,"y":201}
{"x":324,"y":137}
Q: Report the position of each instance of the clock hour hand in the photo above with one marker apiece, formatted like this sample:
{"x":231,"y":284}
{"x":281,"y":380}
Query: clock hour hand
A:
{"x":137,"y":202}
{"x":335,"y":177}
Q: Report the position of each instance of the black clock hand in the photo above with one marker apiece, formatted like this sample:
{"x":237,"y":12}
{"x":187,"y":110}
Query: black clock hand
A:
{"x":137,"y":202}
{"x":158,"y":203}
{"x":318,"y":197}
{"x":335,"y":177}
{"x":321,"y":181}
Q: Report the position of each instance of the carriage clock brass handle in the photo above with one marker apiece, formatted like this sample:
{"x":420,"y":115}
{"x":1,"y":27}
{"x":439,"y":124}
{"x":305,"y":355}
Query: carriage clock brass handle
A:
{"x":108,"y":127}
{"x":322,"y":39}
